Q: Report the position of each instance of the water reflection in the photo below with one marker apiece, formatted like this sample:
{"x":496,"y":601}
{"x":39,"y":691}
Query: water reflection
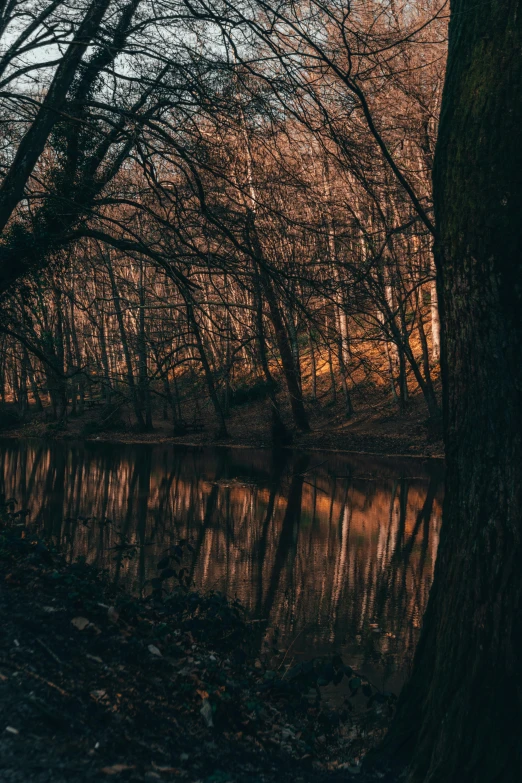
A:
{"x":336,"y":552}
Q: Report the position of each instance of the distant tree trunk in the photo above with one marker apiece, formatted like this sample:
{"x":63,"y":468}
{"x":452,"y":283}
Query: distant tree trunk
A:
{"x":179,"y":416}
{"x":294,"y":342}
{"x":405,"y":353}
{"x":330,"y":364}
{"x":222,"y":432}
{"x":59,"y":384}
{"x":388,"y":349}
{"x":20,"y":386}
{"x":227,"y":369}
{"x":143,"y":372}
{"x":290,"y":371}
{"x":344,"y":380}
{"x":403,"y":379}
{"x":3,"y":367}
{"x":279,"y":430}
{"x":342,"y":318}
{"x":70,"y":364}
{"x":313,"y":366}
{"x":435,"y":323}
{"x":285,"y":351}
{"x":460,"y":717}
{"x":340,"y":310}
{"x":124,"y":344}
{"x":78,"y":359}
{"x":171,"y":402}
{"x":104,"y":356}
{"x":32,"y":381}
{"x":283,"y":343}
{"x":424,"y":346}
{"x":287,"y":359}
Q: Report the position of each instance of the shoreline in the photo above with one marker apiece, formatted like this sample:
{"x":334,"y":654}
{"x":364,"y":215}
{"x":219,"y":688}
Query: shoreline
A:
{"x":135,"y":440}
{"x":354,"y":446}
{"x":372,"y":432}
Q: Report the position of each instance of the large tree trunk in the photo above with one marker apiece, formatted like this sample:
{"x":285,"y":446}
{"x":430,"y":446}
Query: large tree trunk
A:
{"x":460,"y":717}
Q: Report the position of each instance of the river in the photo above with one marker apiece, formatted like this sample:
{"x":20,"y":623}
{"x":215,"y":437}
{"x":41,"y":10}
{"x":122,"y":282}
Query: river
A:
{"x":333,"y":552}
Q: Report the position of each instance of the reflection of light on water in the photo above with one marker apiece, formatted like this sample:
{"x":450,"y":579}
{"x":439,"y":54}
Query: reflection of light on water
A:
{"x":335,"y":562}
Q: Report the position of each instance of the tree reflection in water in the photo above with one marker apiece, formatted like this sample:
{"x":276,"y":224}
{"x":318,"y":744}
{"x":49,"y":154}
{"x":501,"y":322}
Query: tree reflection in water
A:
{"x":335,"y":551}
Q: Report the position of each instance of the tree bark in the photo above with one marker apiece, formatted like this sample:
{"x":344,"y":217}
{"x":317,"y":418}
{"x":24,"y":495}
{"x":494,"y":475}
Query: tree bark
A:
{"x":460,"y":717}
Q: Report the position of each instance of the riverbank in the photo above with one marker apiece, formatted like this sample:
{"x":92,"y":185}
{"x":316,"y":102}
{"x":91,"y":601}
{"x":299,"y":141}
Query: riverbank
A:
{"x":377,"y":427}
{"x":96,"y":684}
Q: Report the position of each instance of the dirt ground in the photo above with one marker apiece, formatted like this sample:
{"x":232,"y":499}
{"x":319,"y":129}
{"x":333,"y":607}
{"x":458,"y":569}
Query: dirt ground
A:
{"x":96,"y":685}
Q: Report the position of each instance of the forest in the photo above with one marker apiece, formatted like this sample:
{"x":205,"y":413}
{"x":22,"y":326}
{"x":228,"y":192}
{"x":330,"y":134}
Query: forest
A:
{"x":223,"y":207}
{"x":292,"y":227}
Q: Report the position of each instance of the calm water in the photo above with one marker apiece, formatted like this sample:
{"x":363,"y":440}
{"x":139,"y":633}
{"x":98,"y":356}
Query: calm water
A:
{"x":335,"y":552}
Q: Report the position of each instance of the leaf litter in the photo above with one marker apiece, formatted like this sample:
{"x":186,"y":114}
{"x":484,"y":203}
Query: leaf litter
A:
{"x":170,"y":683}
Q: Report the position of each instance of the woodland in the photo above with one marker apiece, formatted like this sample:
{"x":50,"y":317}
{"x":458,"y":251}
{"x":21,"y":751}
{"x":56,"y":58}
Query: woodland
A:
{"x":205,"y":204}
{"x":223,"y":204}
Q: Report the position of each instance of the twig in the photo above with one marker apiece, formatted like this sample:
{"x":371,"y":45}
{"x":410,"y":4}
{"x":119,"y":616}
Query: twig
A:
{"x":291,"y":645}
{"x":51,"y":653}
{"x":46,"y":682}
{"x":13,"y":665}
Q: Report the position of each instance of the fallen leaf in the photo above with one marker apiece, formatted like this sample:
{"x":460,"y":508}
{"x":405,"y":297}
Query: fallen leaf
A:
{"x":113,"y":614}
{"x":98,"y":695}
{"x":117,"y":768}
{"x":203,"y":694}
{"x":154,"y":650}
{"x":206,"y":711}
{"x":80,"y":623}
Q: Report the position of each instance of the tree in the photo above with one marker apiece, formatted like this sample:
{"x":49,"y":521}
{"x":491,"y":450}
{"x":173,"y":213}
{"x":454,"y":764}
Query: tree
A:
{"x":460,"y":717}
{"x":33,"y":142}
{"x":273,"y":231}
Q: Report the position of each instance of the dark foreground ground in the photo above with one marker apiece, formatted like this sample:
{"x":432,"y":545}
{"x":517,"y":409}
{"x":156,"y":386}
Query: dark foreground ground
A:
{"x":96,"y":685}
